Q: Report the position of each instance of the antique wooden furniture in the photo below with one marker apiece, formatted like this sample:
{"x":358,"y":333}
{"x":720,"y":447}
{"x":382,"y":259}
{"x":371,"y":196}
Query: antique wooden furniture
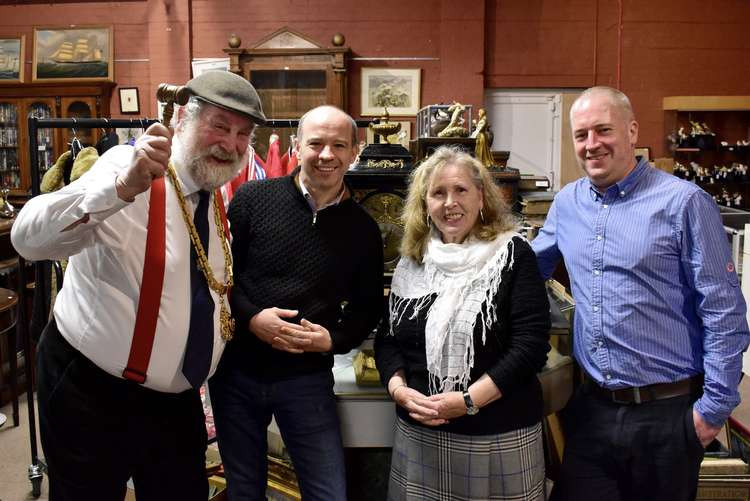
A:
{"x":292,"y":74}
{"x":19,"y":102}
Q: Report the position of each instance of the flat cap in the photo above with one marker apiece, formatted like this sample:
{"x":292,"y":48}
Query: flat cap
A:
{"x":230,"y":91}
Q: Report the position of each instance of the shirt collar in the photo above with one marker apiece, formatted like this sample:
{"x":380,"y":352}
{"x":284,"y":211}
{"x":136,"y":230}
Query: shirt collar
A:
{"x":189,"y":186}
{"x":625,"y":186}
{"x":311,"y":200}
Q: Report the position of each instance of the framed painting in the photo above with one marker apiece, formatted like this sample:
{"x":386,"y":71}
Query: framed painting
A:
{"x":396,"y":89}
{"x":80,"y":53}
{"x":12,"y":53}
{"x":129,"y":100}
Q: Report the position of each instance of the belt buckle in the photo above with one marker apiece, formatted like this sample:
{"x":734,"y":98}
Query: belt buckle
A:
{"x":636,"y":396}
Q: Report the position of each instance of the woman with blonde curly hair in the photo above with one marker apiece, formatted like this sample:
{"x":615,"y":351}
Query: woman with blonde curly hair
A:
{"x":469,"y":322}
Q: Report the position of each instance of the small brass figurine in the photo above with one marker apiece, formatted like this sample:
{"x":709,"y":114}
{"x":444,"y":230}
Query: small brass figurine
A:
{"x":482,"y":149}
{"x":385,"y":128}
{"x":6,"y":209}
{"x":455,"y":128}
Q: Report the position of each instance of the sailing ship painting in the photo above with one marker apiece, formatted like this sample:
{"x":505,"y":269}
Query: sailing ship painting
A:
{"x":11,"y":59}
{"x":77,"y":53}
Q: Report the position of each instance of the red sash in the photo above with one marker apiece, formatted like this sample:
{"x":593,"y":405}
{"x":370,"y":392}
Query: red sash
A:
{"x":152,"y":282}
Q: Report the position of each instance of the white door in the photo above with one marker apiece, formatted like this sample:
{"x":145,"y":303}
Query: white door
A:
{"x":527,"y":123}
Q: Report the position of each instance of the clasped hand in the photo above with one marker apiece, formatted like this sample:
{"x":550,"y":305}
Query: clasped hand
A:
{"x":433,"y":410}
{"x":270,"y":327}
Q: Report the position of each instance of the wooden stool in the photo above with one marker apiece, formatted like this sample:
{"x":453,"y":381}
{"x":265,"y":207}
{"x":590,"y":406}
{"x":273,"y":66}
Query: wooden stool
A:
{"x":8,"y":304}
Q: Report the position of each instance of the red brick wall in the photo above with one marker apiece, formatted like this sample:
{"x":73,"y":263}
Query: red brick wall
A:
{"x":671,"y":47}
{"x":665,"y":48}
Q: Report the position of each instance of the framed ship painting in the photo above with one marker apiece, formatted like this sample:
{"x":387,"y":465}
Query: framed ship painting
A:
{"x":80,"y":53}
{"x":12,"y":53}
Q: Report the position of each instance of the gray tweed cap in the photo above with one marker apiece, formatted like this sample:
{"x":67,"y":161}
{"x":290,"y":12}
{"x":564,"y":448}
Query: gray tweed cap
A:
{"x":230,"y":91}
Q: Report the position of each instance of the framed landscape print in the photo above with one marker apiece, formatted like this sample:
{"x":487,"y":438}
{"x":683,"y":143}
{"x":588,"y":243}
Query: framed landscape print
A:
{"x":82,"y":53}
{"x":396,"y":89}
{"x":12,"y":53}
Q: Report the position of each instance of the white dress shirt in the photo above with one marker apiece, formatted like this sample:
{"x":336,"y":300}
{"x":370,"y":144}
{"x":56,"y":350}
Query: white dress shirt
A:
{"x":96,"y":308}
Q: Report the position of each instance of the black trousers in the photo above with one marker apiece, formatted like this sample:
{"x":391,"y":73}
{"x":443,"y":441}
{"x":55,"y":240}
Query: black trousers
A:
{"x":98,"y":431}
{"x":620,"y":452}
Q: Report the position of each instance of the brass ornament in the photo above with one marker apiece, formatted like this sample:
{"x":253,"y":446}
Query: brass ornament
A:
{"x":234,"y":41}
{"x":226,"y":321}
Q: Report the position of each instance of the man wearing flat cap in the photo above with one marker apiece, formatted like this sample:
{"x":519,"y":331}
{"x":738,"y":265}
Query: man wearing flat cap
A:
{"x":143,"y":314}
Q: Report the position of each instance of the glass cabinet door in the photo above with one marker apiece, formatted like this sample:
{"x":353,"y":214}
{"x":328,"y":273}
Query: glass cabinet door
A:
{"x":286,"y":93}
{"x":44,"y":137}
{"x":10,"y":172}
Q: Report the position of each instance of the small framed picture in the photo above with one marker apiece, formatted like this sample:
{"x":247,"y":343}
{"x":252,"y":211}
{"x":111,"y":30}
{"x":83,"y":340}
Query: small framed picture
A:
{"x":129,"y":100}
{"x":643,"y":151}
{"x":12,"y":51}
{"x":396,"y":89}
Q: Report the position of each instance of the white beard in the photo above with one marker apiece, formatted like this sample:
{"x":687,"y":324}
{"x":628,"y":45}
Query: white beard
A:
{"x":200,"y":165}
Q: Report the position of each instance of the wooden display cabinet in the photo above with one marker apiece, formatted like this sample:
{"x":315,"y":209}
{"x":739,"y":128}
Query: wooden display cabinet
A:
{"x":292,"y":74}
{"x":728,"y":117}
{"x":19,"y":102}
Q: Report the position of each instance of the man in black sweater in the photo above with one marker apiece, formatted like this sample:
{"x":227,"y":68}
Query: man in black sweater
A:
{"x":308,"y":266}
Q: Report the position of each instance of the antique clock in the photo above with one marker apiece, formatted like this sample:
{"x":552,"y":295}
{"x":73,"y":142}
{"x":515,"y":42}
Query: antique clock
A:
{"x":385,"y":208}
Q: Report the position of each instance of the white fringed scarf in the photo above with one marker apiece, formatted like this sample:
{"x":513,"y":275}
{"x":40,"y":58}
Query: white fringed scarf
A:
{"x":465,"y":278}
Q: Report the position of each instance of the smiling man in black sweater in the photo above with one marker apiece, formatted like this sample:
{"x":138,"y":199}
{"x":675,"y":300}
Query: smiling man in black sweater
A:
{"x":308,"y":264}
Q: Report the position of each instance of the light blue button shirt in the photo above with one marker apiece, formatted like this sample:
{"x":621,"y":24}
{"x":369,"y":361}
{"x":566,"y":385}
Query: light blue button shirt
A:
{"x":656,"y":291}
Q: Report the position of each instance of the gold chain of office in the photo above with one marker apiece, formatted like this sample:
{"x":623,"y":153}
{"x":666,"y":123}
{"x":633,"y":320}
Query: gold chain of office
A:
{"x":225,"y":319}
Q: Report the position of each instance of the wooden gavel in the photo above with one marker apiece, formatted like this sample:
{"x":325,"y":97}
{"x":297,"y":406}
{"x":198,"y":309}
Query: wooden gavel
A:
{"x":171,"y":94}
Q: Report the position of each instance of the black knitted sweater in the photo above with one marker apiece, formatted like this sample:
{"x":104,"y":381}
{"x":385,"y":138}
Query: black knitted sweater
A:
{"x":328,"y":265}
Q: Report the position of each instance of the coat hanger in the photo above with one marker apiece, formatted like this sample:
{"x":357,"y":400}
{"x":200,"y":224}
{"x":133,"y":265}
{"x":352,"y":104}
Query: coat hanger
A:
{"x":75,"y":143}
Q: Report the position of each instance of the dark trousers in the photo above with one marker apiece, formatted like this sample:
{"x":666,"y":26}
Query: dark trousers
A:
{"x":621,"y":452}
{"x":306,"y":413}
{"x":98,"y":431}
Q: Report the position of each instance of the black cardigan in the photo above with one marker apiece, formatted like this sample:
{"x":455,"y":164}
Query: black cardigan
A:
{"x":329,"y":267}
{"x":515,"y":350}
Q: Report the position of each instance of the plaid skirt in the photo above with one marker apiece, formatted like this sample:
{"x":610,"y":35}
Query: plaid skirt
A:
{"x":436,"y":465}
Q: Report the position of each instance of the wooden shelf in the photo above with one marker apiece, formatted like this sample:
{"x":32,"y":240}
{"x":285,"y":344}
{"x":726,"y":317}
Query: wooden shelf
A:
{"x":706,"y":103}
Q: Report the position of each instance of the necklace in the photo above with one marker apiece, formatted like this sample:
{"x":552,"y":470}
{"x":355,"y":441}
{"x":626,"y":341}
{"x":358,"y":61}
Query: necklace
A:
{"x":225,"y":319}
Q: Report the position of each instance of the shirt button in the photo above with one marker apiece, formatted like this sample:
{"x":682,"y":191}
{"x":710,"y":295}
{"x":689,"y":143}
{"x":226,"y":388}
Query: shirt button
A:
{"x":596,"y":308}
{"x":605,"y":206}
{"x":622,"y":193}
{"x":600,"y":343}
{"x":596,"y":272}
{"x":598,"y":237}
{"x":608,"y":376}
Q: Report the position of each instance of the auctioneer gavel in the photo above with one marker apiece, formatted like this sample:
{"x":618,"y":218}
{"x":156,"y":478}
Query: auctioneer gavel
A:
{"x":171,"y":94}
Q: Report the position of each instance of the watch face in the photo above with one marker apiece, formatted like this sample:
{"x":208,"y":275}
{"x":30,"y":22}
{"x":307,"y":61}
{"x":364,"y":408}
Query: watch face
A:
{"x":385,"y":208}
{"x":472,"y":410}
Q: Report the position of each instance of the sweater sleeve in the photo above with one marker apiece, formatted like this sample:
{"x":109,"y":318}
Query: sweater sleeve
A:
{"x":528,"y":323}
{"x":362,"y":313}
{"x":388,"y":355}
{"x":238,"y":215}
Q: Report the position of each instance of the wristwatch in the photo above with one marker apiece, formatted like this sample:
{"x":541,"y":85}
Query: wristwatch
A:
{"x":471,"y":409}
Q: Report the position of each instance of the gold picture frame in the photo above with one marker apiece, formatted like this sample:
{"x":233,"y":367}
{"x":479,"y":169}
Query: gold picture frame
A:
{"x":12,"y":59}
{"x":398,"y":89}
{"x":79,"y":53}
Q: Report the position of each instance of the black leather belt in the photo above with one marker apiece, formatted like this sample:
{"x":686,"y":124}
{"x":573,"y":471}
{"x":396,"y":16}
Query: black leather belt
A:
{"x":642,"y":394}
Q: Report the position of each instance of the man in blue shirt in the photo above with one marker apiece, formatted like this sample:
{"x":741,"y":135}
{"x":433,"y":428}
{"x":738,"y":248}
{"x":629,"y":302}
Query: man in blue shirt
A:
{"x":660,"y":320}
